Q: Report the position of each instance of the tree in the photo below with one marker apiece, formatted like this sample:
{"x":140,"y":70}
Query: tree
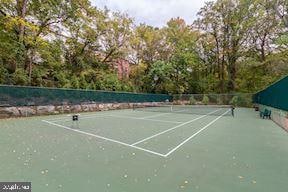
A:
{"x":149,"y":45}
{"x":160,"y":76}
{"x":235,"y":45}
{"x":226,"y":23}
{"x":185,"y":61}
{"x":83,"y":43}
{"x":262,"y":34}
{"x":116,"y":39}
{"x":29,"y":22}
{"x":281,"y":9}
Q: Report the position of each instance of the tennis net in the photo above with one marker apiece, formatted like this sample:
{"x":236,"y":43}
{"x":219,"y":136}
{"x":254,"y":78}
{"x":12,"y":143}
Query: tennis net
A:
{"x":216,"y":110}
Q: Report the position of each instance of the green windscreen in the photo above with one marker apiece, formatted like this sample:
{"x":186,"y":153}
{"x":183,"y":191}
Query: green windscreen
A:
{"x":23,"y":96}
{"x":235,"y":99}
{"x":275,"y":95}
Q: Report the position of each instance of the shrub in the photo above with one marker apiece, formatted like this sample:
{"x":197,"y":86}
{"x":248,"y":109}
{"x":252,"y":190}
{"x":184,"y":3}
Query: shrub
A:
{"x":3,"y":75}
{"x":176,"y":97}
{"x":205,"y":100}
{"x":234,"y":101}
{"x":220,"y":100}
{"x":20,"y":77}
{"x":241,"y":101}
{"x":192,"y":100}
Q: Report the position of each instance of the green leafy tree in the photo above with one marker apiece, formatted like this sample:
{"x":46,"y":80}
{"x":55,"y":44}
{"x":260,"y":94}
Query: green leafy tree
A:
{"x":160,"y":77}
{"x":192,"y":100}
{"x":226,"y":23}
{"x":184,"y":59}
{"x":205,"y":100}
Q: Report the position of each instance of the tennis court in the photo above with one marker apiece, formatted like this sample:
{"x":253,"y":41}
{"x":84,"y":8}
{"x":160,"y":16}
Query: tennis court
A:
{"x":128,"y":150}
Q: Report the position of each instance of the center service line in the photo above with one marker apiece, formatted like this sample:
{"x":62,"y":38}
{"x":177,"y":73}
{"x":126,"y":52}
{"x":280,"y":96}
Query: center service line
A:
{"x":177,"y":126}
{"x":205,"y":127}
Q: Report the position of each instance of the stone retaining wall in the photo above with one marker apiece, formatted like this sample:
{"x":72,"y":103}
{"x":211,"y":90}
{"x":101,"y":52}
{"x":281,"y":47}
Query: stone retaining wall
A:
{"x":280,"y":117}
{"x":10,"y":112}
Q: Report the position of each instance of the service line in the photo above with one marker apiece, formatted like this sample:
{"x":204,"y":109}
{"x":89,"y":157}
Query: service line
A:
{"x":104,"y":138}
{"x":175,"y":127}
{"x":195,"y":134}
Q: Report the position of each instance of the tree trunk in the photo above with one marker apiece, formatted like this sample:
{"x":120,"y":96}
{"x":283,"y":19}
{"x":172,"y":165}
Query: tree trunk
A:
{"x":221,"y":72}
{"x":21,"y":9}
{"x":231,"y":73}
{"x":30,"y":68}
{"x":262,"y":49}
{"x":232,"y":77}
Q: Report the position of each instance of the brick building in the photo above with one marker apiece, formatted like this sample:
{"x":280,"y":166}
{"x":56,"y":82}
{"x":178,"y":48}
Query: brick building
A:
{"x":123,"y":68}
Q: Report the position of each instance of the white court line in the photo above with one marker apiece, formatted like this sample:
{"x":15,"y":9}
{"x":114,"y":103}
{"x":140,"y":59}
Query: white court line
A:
{"x":174,"y":128}
{"x":162,"y":113}
{"x":81,"y":117}
{"x":202,"y":129}
{"x":158,"y":115}
{"x":105,"y":138}
{"x":141,"y":118}
{"x":59,"y":118}
{"x":70,"y":119}
{"x":99,"y":115}
{"x":69,"y":116}
{"x":64,"y":119}
{"x":119,"y":116}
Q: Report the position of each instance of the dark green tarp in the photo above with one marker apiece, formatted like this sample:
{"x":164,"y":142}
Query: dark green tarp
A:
{"x":275,"y":95}
{"x":23,"y":96}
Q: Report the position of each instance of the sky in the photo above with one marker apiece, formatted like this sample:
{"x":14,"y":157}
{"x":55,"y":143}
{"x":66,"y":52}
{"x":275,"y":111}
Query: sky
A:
{"x":154,"y":12}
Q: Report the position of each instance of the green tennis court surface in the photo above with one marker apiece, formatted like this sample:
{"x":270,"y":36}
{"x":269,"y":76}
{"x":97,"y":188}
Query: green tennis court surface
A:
{"x":128,"y":150}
